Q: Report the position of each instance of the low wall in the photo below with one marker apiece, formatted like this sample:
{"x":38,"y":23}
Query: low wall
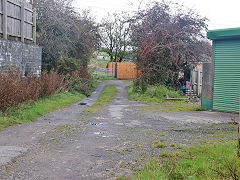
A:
{"x":27,"y":57}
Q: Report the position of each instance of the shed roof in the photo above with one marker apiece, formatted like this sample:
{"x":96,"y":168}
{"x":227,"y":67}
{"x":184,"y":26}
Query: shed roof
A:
{"x":224,"y":33}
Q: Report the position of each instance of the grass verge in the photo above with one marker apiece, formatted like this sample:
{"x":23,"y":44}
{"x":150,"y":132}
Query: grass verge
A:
{"x":219,"y":161}
{"x":155,"y":96}
{"x":26,"y":112}
{"x":107,"y":78}
{"x":105,"y":98}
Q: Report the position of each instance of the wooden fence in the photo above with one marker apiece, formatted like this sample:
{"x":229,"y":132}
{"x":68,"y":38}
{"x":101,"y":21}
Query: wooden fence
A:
{"x":125,"y":70}
{"x":17,"y":20}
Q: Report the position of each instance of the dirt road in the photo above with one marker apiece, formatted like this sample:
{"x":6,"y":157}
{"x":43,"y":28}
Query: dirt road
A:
{"x":68,"y":145}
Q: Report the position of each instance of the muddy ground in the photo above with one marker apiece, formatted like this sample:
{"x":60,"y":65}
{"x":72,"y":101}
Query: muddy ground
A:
{"x":70,"y":145}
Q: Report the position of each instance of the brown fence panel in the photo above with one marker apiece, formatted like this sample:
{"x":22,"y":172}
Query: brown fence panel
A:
{"x":17,"y":20}
{"x":125,"y":70}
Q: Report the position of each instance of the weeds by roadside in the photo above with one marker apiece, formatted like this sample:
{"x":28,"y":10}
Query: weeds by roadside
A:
{"x":26,"y":112}
{"x":22,"y":99}
{"x":155,"y":96}
{"x":218,"y":161}
{"x":15,"y":89}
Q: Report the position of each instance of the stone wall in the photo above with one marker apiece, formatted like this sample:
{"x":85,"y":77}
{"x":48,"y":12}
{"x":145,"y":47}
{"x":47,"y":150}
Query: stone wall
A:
{"x":27,"y":57}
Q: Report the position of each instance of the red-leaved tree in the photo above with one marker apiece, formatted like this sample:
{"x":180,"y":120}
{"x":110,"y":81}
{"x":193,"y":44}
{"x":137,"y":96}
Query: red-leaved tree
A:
{"x":166,"y":37}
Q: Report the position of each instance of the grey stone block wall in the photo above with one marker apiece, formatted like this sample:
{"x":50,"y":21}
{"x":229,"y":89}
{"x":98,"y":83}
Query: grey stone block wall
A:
{"x":27,"y":57}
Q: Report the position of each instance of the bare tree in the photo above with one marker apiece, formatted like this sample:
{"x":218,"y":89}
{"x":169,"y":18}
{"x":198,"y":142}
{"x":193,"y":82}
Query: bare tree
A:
{"x":115,"y":35}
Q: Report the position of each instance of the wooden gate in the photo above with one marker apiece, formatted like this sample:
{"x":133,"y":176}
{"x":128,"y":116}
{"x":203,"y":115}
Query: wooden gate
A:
{"x":125,"y":70}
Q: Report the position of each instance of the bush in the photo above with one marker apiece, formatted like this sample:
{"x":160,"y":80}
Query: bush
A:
{"x":168,"y":37}
{"x":81,"y":81}
{"x":67,"y":65}
{"x":15,"y":89}
{"x":52,"y":82}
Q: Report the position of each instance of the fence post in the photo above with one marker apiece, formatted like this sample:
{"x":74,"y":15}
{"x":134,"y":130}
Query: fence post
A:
{"x":22,"y":20}
{"x":4,"y":19}
{"x":34,"y":25}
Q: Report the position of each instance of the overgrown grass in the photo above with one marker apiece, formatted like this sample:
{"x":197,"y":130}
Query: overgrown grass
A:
{"x":219,"y":161}
{"x":105,"y":98}
{"x":98,"y":63}
{"x":155,"y":96}
{"x":26,"y":112}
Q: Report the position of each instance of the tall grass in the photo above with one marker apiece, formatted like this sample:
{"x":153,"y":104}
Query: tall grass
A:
{"x":153,"y":94}
{"x":219,"y":161}
{"x":156,"y":95}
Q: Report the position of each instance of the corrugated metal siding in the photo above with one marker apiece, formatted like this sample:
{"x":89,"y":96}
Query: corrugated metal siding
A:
{"x":226,"y":80}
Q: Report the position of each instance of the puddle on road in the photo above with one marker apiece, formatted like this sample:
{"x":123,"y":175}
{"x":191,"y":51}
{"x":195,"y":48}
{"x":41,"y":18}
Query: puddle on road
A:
{"x":101,"y":134}
{"x":82,"y":103}
{"x":87,"y":102}
{"x":100,"y":124}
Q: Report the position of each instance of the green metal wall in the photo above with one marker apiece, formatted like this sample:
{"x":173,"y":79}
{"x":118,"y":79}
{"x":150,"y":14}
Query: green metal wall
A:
{"x":226,"y":75}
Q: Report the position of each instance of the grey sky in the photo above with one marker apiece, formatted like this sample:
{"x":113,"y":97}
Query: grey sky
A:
{"x":221,"y":13}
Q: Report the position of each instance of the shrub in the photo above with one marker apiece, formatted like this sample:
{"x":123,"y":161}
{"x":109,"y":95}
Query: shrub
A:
{"x":166,"y":38}
{"x":15,"y":89}
{"x":52,"y":82}
{"x":67,"y":65}
{"x":81,"y":81}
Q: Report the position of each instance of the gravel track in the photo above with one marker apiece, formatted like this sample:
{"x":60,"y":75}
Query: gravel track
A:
{"x":69,"y":145}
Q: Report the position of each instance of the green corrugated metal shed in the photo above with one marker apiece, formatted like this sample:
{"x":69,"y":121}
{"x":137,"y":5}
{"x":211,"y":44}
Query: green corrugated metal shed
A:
{"x":226,"y":69}
{"x":223,"y":33}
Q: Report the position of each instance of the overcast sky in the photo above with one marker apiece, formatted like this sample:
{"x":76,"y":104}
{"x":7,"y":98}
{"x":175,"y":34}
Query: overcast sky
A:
{"x":221,"y":13}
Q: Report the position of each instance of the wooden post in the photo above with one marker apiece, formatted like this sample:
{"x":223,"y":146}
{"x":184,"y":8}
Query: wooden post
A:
{"x":22,"y":21}
{"x":4,"y":19}
{"x":116,"y":68}
{"x":34,"y":25}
